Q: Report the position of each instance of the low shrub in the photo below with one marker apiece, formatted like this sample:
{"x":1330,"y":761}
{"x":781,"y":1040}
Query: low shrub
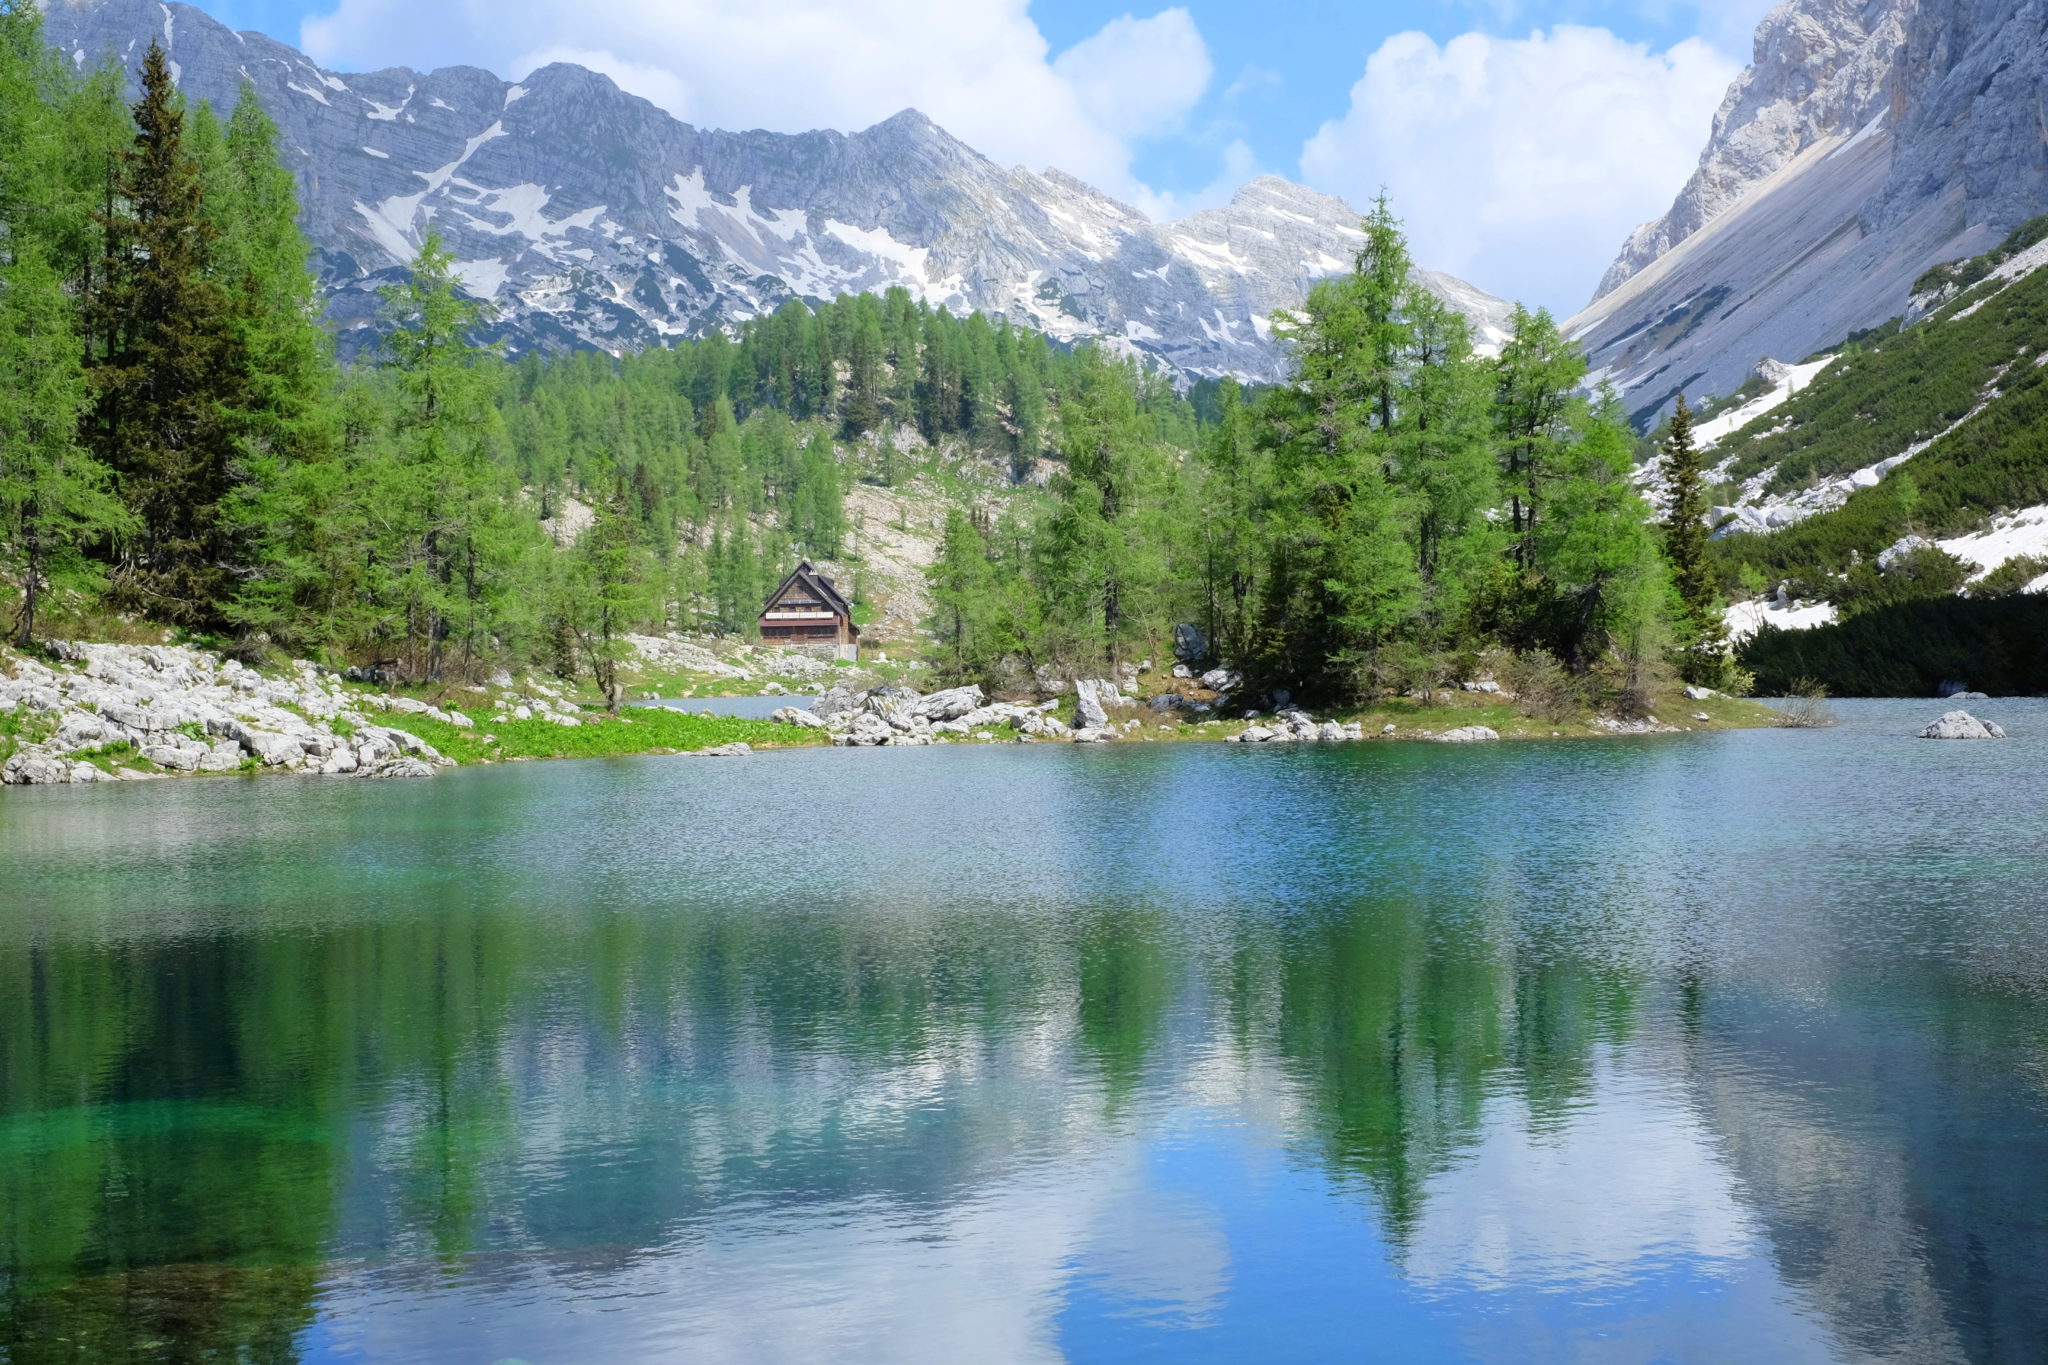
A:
{"x":2010,"y":578}
{"x":1544,"y":688}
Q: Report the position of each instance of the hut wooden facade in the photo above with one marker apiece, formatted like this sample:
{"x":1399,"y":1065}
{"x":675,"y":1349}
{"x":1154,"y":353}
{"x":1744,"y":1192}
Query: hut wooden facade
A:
{"x":808,"y":613}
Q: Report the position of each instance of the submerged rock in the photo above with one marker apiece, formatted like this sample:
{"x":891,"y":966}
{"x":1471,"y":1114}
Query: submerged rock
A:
{"x":1962,"y":725}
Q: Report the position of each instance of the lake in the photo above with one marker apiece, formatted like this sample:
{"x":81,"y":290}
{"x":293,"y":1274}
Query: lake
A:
{"x":1688,"y":1049}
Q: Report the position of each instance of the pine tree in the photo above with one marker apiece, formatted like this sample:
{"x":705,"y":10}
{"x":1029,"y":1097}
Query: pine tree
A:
{"x":169,"y":370}
{"x":1686,"y":541}
{"x":54,"y":497}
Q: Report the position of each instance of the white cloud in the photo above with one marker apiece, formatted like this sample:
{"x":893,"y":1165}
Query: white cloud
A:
{"x":1139,"y":77}
{"x":980,"y":68}
{"x":1522,"y":164}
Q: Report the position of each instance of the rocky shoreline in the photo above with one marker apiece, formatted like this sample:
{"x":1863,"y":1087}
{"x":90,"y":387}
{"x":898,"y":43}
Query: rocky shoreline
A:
{"x":115,"y":712}
{"x":186,"y":711}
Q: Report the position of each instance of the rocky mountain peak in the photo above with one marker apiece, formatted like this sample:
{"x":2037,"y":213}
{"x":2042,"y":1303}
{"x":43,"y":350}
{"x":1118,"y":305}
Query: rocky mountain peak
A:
{"x":1868,"y":141}
{"x":591,"y":217}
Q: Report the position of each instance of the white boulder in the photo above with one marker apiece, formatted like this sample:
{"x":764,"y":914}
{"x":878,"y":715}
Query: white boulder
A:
{"x":1468,"y":734}
{"x":1962,"y":725}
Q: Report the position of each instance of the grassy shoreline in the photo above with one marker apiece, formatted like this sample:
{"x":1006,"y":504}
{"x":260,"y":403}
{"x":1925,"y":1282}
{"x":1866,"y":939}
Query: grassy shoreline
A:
{"x":654,"y":731}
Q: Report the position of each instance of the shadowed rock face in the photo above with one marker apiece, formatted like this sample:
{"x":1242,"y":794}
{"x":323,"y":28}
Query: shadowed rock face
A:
{"x":1867,"y":142}
{"x":592,"y":218}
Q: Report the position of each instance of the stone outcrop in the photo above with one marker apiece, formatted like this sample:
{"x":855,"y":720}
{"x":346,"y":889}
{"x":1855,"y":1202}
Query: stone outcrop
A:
{"x":1962,"y":725}
{"x":1094,"y":699}
{"x":1298,"y":727}
{"x":184,"y":711}
{"x":1469,"y":734}
{"x":591,"y":218}
{"x":901,"y":717}
{"x":1868,"y":141}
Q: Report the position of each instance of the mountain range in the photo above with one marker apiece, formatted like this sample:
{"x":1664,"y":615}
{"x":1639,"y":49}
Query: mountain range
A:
{"x":1868,"y":141}
{"x":590,"y":217}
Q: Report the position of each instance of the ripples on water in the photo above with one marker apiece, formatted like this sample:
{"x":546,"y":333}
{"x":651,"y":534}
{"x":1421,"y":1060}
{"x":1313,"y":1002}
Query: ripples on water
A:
{"x":1703,"y":1049}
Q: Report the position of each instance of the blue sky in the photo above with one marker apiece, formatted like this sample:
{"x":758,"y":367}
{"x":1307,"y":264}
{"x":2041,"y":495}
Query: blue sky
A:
{"x":1521,"y":140}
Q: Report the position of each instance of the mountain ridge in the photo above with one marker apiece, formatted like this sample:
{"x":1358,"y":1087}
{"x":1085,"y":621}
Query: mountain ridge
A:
{"x":590,"y":217}
{"x":1868,"y":141}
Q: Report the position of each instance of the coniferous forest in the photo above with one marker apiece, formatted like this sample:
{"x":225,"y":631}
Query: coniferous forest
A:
{"x":178,"y":444}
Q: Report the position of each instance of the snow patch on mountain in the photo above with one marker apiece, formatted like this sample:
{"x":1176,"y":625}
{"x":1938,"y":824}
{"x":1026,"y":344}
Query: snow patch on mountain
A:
{"x":2022,"y":534}
{"x":1745,"y":619}
{"x":1789,"y":379}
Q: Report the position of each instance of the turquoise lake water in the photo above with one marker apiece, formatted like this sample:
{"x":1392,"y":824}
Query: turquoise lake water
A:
{"x":1690,"y":1049}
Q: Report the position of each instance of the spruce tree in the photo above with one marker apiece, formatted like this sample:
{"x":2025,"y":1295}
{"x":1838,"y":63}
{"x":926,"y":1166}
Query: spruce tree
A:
{"x":168,"y":369}
{"x":1685,"y":544}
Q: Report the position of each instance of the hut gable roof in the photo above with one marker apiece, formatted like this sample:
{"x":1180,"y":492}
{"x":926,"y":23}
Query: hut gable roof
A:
{"x":808,"y":578}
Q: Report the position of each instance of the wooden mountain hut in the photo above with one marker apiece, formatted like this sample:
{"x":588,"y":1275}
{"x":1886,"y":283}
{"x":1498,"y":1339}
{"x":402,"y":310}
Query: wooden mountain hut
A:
{"x":807,"y":613}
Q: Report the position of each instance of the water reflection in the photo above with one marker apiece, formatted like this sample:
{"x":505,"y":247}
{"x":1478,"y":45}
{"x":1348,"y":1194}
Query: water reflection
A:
{"x":1031,"y":1055}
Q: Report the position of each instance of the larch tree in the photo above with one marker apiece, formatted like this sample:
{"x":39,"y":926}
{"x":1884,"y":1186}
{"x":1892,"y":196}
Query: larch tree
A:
{"x":1342,"y":581}
{"x":1099,"y":561}
{"x":55,"y":501}
{"x":1538,"y":376}
{"x":444,"y":502}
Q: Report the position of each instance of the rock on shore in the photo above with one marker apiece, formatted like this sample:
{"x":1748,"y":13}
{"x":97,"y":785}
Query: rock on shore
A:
{"x":901,"y":717}
{"x":187,"y":711}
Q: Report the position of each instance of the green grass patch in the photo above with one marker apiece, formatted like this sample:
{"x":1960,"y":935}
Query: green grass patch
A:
{"x":108,"y":757}
{"x":19,"y":727}
{"x":640,"y":730}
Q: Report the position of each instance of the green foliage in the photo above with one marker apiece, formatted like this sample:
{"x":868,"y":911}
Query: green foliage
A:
{"x":1916,"y":386}
{"x":1876,"y":401}
{"x":1925,"y":572}
{"x":1342,"y":536}
{"x":1913,"y":648}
